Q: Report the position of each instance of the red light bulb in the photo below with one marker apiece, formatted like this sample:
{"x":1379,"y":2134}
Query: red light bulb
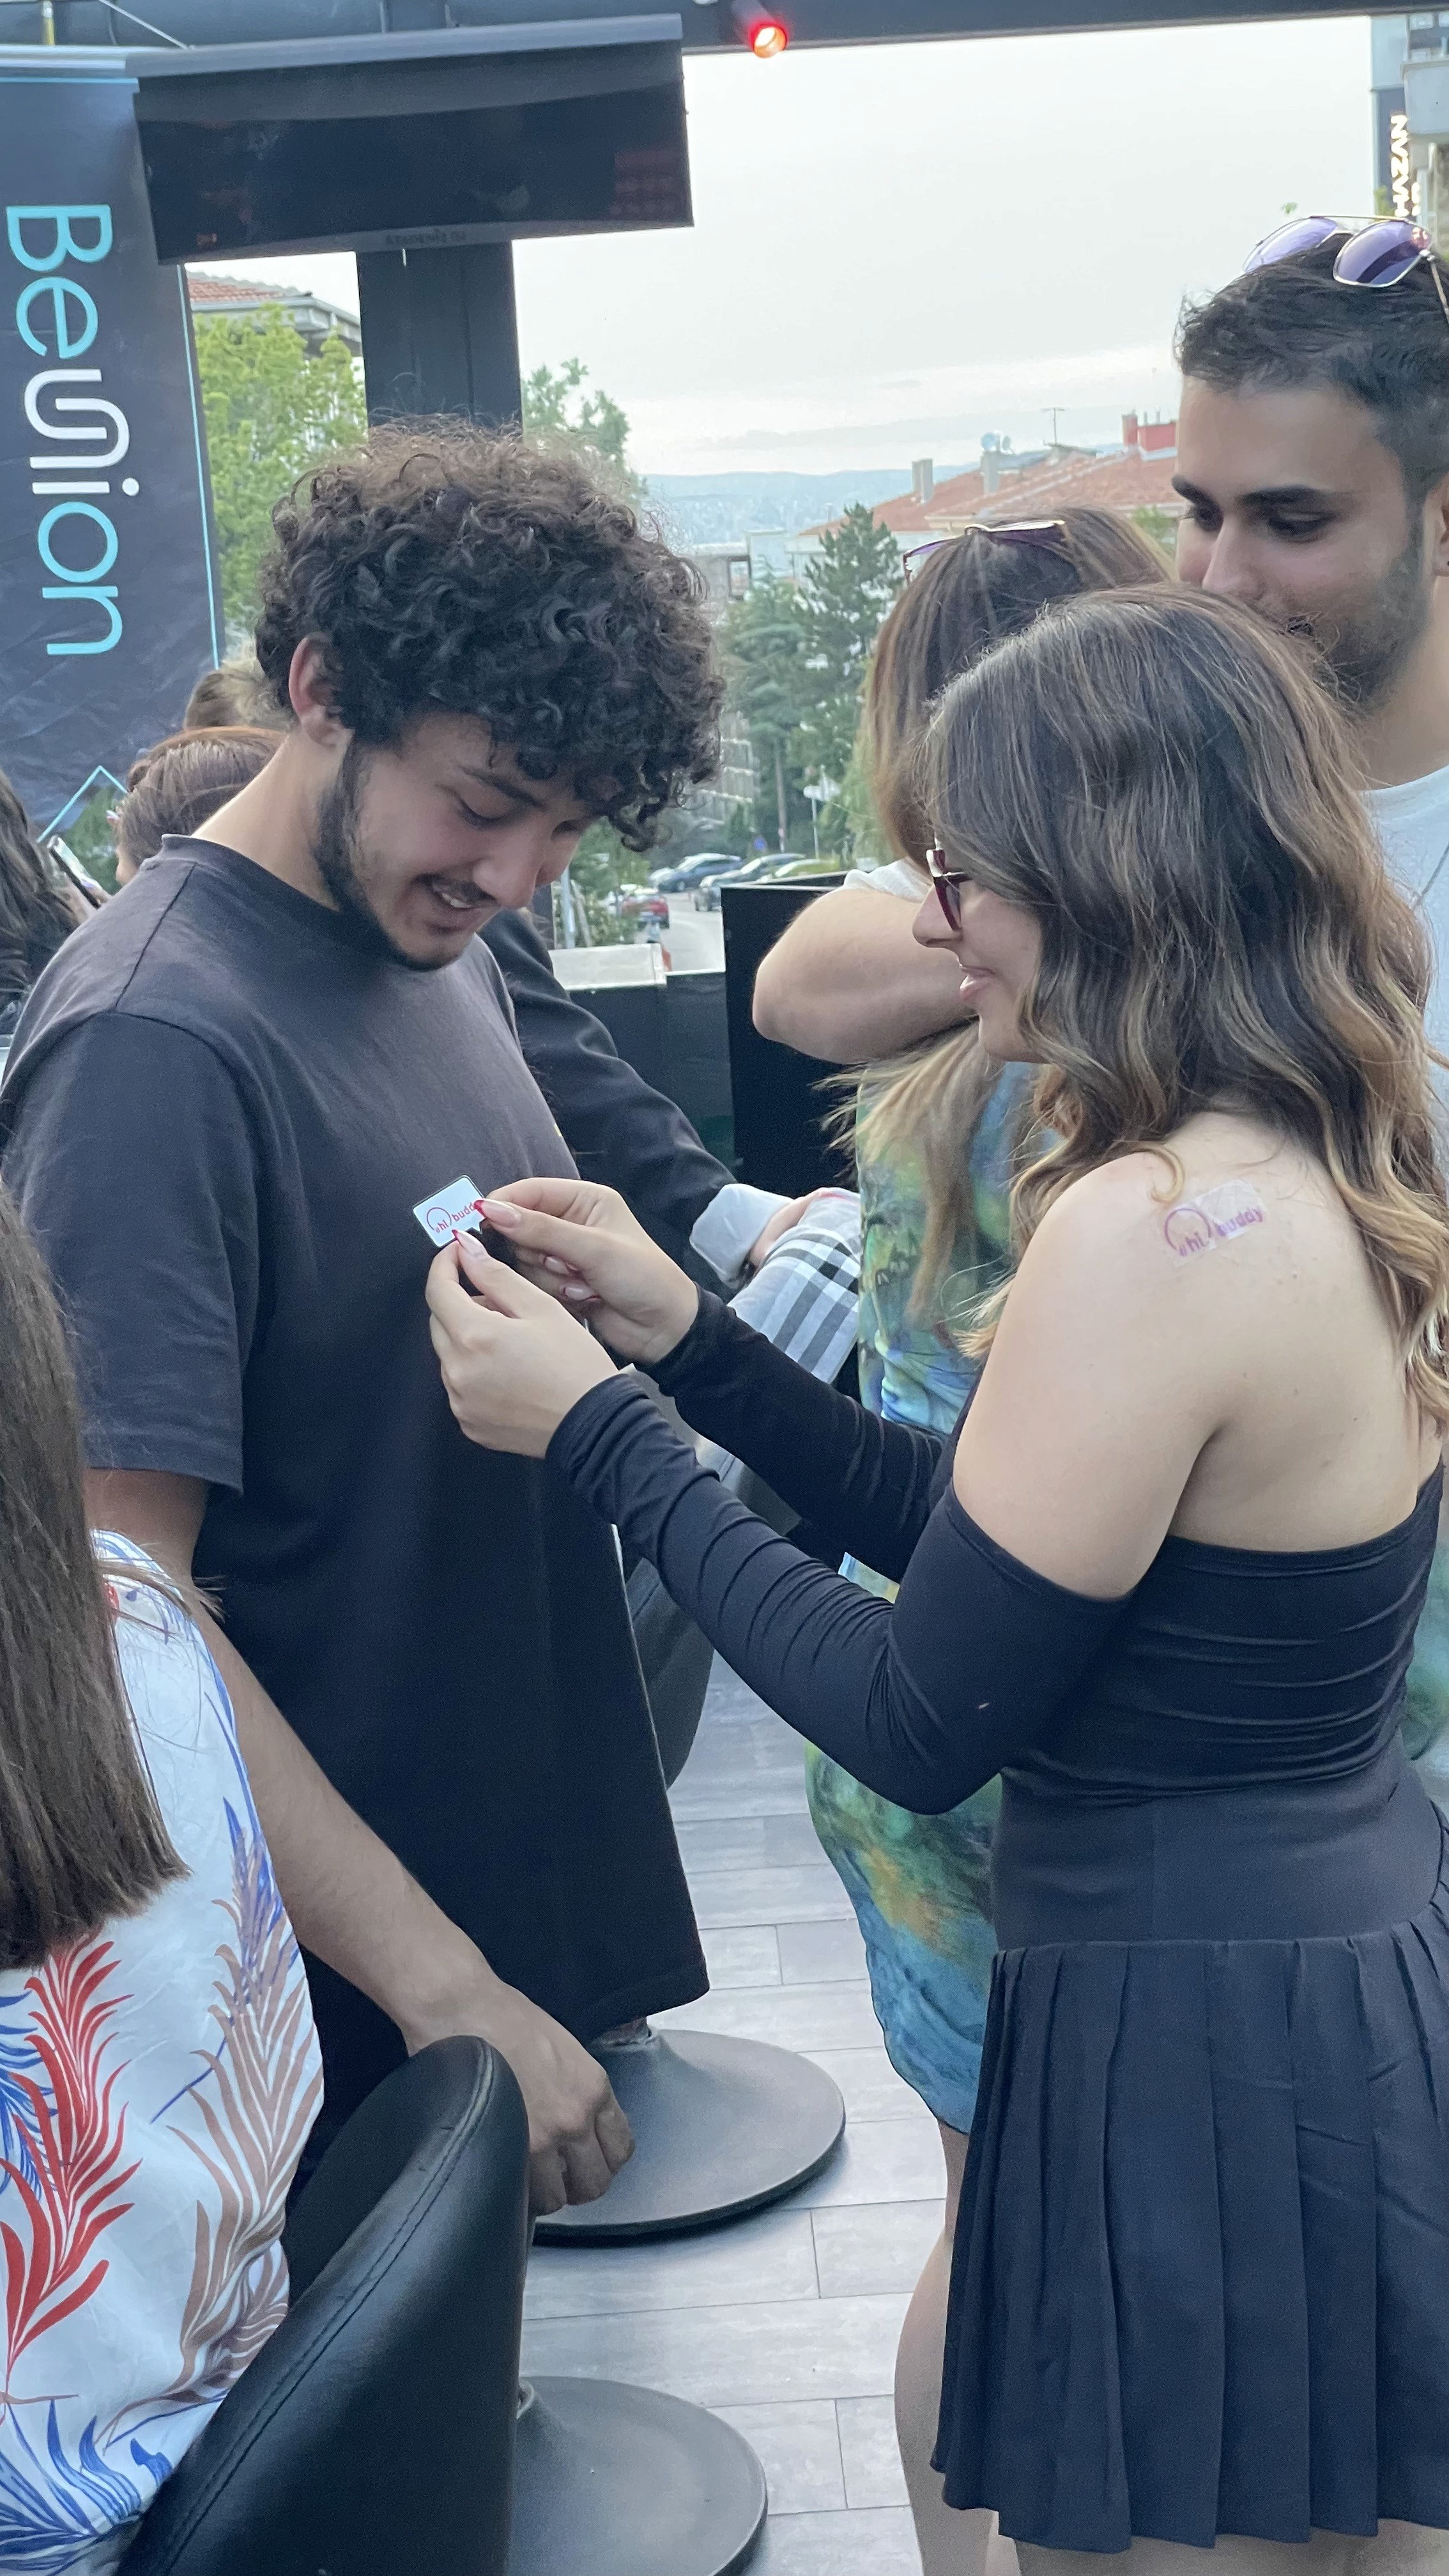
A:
{"x":768,"y":38}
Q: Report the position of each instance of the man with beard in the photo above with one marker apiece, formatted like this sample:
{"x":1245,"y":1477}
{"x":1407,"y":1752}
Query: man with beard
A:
{"x":225,"y":1104}
{"x":1313,"y":456}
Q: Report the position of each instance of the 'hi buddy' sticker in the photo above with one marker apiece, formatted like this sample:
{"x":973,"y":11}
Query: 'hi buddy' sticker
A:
{"x":448,"y":1213}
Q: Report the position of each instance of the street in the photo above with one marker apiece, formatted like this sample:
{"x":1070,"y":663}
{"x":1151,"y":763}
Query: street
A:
{"x":695,"y":940}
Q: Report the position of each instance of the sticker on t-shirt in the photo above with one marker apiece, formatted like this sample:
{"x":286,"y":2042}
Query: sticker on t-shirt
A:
{"x":448,"y":1213}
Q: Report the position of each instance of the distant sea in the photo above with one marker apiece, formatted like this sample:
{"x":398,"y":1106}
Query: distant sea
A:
{"x":700,"y":509}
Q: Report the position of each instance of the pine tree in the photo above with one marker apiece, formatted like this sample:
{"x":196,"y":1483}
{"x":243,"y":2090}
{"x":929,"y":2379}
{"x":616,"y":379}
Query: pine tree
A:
{"x":765,"y":647}
{"x":845,"y":594}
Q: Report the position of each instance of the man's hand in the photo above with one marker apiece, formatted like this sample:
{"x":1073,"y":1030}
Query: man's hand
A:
{"x":780,"y":1223}
{"x":577,"y":2135}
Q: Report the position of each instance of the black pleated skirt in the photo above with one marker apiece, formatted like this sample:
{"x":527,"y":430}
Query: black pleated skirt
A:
{"x":1201,"y":2281}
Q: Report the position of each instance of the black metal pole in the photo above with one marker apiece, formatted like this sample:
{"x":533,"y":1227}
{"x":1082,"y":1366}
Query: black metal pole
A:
{"x":440,"y":332}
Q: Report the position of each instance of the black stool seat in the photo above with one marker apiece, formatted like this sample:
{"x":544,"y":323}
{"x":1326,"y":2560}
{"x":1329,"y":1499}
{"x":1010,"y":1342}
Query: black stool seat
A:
{"x":721,"y":2127}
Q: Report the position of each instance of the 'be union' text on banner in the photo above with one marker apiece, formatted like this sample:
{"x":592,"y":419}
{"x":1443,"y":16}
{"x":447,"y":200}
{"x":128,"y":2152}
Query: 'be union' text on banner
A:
{"x":108,"y":596}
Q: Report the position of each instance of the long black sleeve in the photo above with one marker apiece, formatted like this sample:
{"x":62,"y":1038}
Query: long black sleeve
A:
{"x":863,"y":1483}
{"x":925,"y":1699}
{"x":617,"y":1129}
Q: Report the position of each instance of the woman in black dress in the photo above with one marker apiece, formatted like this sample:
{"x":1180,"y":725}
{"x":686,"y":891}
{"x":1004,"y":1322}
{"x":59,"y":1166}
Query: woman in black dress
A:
{"x":1165,"y":1579}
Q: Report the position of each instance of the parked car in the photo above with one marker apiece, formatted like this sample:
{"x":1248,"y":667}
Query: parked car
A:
{"x":637,"y":904}
{"x":679,"y":880}
{"x":752,"y":872}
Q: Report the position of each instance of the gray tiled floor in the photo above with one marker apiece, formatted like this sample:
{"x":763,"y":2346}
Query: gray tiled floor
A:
{"x":786,"y":2324}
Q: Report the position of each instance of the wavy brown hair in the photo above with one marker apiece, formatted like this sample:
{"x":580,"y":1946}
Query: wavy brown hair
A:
{"x":81,"y":1836}
{"x":971,"y":594}
{"x":1159,"y":779}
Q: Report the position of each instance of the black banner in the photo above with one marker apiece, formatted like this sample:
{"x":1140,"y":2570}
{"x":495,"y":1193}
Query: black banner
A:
{"x":109,"y":607}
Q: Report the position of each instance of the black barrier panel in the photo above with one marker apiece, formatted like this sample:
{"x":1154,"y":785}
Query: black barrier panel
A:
{"x":779,"y":1105}
{"x":111,"y":606}
{"x":675,"y":1034}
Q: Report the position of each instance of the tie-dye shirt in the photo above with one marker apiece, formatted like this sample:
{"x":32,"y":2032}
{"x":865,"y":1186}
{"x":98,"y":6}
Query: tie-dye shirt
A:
{"x":157,"y":2083}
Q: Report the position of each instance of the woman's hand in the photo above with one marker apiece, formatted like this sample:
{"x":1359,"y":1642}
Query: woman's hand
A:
{"x":580,"y":1242}
{"x":513,"y":1362}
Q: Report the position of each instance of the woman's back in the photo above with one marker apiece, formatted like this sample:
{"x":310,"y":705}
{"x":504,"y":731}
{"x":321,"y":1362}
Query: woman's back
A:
{"x":1219,"y":1341}
{"x":157,"y":2083}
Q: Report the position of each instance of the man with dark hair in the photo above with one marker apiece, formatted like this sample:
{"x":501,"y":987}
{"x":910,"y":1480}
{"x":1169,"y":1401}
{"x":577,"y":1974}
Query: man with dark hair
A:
{"x":1313,"y":455}
{"x":226,"y":1104}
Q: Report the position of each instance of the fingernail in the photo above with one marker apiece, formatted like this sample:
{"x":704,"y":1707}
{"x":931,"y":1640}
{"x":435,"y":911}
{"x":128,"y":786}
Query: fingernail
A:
{"x":498,"y":1212}
{"x":580,"y":1296}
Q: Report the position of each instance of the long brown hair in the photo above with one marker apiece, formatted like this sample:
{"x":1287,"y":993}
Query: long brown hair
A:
{"x":1160,"y":780}
{"x":34,"y":914}
{"x":81,"y":1836}
{"x":970,"y":595}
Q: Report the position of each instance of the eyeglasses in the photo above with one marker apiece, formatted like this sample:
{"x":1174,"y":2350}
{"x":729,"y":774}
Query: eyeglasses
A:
{"x":1047,"y":533}
{"x":1378,"y":251}
{"x":948,"y":883}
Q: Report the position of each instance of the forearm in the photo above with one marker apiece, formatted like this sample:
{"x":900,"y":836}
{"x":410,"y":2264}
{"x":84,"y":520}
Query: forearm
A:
{"x":923,"y":1701}
{"x":352,"y":1903}
{"x":350,"y":1899}
{"x":849,"y":983}
{"x":865,"y":1483}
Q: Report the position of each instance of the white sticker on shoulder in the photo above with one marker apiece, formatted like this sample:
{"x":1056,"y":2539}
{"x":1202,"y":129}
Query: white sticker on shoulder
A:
{"x":1215,"y":1216}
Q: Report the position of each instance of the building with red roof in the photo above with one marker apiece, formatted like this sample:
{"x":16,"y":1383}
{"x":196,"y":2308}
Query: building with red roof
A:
{"x":1004,"y":486}
{"x":312,"y":315}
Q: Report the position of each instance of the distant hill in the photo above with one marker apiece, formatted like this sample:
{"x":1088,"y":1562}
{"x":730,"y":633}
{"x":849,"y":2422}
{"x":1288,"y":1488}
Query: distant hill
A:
{"x":701,"y":509}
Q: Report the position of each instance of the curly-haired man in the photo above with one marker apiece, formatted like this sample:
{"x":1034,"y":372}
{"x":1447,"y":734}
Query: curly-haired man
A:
{"x":224,"y":1104}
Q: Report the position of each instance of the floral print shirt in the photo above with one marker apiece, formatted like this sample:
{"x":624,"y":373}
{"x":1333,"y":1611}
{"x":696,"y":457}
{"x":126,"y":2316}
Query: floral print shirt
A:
{"x":157,"y":2083}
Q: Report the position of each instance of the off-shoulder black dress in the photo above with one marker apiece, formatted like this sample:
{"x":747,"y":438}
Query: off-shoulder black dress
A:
{"x":1201,"y":2280}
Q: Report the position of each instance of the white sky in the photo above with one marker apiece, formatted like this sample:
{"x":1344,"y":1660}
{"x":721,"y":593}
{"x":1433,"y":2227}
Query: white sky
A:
{"x":898,"y":247}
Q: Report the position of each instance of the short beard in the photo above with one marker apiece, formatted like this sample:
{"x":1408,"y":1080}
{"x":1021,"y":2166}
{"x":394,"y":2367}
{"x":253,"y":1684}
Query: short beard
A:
{"x":337,"y":853}
{"x":1365,"y":657}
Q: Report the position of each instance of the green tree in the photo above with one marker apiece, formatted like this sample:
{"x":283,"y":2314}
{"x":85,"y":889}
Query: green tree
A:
{"x":1159,"y":525}
{"x":845,"y":594}
{"x":602,"y":868}
{"x":766,"y":643}
{"x":556,"y":405}
{"x":272,"y":411}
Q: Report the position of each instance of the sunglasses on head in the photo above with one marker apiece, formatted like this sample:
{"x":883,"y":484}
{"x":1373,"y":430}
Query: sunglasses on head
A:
{"x":1379,"y":250}
{"x":1047,"y":533}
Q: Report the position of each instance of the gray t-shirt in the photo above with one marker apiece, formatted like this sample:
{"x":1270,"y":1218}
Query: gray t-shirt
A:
{"x":1412,"y":822}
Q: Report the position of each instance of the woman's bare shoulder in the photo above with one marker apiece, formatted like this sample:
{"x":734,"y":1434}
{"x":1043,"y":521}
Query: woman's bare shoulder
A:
{"x":1175,"y":1240}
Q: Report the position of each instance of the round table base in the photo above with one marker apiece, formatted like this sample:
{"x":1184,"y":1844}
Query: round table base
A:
{"x":619,"y":2481}
{"x":721,"y":2127}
